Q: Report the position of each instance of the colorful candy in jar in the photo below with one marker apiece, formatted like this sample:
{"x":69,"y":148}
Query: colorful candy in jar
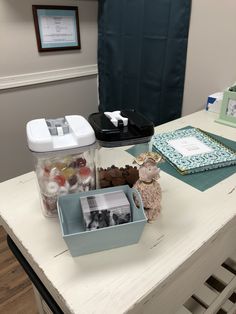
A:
{"x":60,"y":147}
{"x":60,"y":177}
{"x":86,"y":178}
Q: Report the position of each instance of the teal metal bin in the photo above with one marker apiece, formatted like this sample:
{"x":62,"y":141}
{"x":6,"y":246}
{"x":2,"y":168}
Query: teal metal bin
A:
{"x":82,"y":242}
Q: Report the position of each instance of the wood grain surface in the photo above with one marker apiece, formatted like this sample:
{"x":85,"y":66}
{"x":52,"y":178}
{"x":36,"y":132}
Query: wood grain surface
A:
{"x":16,"y":292}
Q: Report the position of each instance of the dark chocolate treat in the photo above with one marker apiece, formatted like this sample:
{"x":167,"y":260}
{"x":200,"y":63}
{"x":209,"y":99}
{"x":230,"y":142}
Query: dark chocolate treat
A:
{"x":118,"y":181}
{"x":125,"y":173}
{"x":115,"y":173}
{"x":73,"y":180}
{"x":105,"y":184}
{"x":114,"y":176}
{"x":107,"y":177}
{"x":80,"y":162}
{"x":132,"y":176}
{"x":73,"y":164}
{"x":102,"y":174}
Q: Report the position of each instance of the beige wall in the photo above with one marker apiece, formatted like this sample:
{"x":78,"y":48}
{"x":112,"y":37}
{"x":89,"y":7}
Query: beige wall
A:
{"x":211,"y":51}
{"x":210,"y":68}
{"x":19,"y":55}
{"x":21,"y":105}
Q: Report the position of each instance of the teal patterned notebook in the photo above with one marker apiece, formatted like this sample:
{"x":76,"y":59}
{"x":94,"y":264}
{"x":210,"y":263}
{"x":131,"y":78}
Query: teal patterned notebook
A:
{"x":191,"y":150}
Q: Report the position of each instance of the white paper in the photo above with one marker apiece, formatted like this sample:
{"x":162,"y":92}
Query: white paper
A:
{"x":189,"y":146}
{"x":58,"y":29}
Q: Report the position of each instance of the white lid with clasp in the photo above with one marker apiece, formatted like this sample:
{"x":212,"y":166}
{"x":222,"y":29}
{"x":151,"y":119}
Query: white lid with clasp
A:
{"x":46,"y":135}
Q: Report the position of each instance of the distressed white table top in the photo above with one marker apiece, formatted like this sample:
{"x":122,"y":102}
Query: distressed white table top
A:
{"x":115,"y":281}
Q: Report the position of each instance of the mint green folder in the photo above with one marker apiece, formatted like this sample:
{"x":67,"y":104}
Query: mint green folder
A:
{"x":191,"y":150}
{"x":202,"y":180}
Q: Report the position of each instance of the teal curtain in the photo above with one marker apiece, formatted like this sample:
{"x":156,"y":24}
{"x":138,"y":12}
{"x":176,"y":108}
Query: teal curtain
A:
{"x":142,"y":47}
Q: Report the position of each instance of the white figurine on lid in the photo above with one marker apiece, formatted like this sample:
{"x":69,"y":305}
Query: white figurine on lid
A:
{"x":147,"y":184}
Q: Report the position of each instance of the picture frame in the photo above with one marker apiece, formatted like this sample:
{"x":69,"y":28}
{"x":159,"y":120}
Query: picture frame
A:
{"x":228,"y":109}
{"x":56,"y":27}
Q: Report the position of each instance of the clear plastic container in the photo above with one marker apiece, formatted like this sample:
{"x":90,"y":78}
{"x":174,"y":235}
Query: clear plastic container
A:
{"x":64,"y":155}
{"x":121,"y":135}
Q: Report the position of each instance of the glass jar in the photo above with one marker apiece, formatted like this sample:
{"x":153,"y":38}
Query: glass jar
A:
{"x":64,"y":155}
{"x":121,"y":135}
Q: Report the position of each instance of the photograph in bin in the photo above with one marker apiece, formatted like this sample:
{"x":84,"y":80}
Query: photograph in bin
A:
{"x":105,"y":210}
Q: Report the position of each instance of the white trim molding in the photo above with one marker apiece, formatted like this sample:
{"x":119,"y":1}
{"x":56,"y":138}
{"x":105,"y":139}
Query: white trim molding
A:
{"x":14,"y":81}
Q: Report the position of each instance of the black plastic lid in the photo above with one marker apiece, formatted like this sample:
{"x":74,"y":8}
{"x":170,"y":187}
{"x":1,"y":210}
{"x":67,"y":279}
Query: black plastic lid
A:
{"x":138,"y":130}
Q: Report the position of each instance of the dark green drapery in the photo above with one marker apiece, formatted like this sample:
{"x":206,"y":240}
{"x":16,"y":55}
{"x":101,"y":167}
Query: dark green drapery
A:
{"x":142,"y":47}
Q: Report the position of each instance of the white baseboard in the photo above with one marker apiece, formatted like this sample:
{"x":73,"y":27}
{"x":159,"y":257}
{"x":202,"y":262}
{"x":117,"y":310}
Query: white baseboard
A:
{"x":47,"y":76}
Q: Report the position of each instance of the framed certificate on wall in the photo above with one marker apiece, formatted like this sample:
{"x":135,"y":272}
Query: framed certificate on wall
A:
{"x":56,"y":27}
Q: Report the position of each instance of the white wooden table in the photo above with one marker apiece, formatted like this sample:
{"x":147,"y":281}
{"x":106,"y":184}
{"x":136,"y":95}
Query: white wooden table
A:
{"x":195,"y":233}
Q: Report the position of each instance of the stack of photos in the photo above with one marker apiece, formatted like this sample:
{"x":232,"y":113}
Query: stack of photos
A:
{"x":105,"y":210}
